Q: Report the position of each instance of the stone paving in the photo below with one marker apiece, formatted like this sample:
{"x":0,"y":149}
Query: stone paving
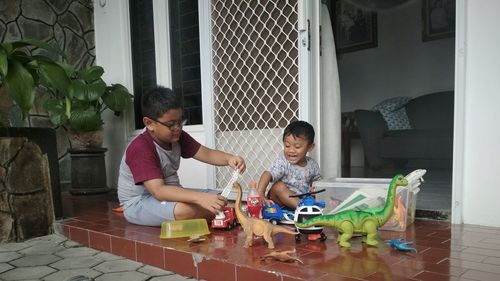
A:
{"x":54,"y":257}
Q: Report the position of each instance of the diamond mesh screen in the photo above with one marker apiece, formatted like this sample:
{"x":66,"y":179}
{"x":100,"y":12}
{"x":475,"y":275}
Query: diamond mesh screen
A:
{"x":255,"y":72}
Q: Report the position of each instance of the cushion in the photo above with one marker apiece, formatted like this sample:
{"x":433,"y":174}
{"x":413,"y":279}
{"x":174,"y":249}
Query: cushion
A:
{"x":431,"y":111}
{"x":394,"y":112}
{"x":417,"y":144}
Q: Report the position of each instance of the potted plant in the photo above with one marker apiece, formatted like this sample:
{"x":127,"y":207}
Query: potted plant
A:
{"x":74,"y":99}
{"x":78,"y":105}
{"x":20,"y":70}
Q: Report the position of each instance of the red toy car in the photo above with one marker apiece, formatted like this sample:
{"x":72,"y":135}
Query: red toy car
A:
{"x":225,"y":219}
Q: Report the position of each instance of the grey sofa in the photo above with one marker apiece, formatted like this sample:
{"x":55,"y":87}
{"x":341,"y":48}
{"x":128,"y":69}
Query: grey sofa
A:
{"x":428,"y":142}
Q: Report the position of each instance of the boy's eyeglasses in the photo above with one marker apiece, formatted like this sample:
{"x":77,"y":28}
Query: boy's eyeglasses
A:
{"x":173,"y":125}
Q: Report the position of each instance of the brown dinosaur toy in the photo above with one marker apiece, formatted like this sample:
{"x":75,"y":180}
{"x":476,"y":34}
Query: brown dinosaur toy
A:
{"x":284,"y":256}
{"x":255,"y":226}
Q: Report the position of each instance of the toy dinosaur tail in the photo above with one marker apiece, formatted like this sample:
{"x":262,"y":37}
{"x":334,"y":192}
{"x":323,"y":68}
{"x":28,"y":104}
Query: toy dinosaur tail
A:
{"x":282,"y":229}
{"x":322,"y":220}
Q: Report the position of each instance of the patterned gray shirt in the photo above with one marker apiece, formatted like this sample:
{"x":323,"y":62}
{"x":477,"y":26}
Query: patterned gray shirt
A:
{"x":294,"y":176}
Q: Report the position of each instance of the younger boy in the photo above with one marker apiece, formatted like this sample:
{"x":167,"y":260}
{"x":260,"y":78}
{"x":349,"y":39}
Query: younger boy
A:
{"x":293,"y":170}
{"x":148,"y":185}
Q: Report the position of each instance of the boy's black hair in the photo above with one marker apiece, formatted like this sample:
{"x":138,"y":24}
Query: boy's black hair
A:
{"x":300,"y":129}
{"x":157,"y":101}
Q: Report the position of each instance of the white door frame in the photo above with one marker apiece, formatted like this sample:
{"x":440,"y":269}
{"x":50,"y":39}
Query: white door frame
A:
{"x":459,"y":118}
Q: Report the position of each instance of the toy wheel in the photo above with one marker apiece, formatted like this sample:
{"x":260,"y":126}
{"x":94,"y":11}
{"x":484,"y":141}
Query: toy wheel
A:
{"x":297,"y":237}
{"x":275,"y":222}
{"x":229,"y":225}
{"x":323,"y":237}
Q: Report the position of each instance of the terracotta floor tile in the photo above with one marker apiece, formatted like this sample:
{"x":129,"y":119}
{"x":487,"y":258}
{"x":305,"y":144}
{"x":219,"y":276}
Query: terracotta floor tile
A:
{"x":79,"y":235}
{"x":445,"y":251}
{"x":180,"y":262}
{"x":123,"y":247}
{"x":150,"y":254}
{"x":212,"y":269}
{"x":244,"y":273}
{"x":99,"y":241}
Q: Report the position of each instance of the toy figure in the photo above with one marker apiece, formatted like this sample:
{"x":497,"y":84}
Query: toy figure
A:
{"x":224,"y":219}
{"x":364,"y":222}
{"x":284,"y":256}
{"x":275,"y":214}
{"x":308,"y":208}
{"x":256,"y":226}
{"x":400,"y":245}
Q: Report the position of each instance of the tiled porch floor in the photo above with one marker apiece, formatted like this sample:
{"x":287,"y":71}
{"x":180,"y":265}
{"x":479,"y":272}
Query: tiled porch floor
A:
{"x":445,"y":251}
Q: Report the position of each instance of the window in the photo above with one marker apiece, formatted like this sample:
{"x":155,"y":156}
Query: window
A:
{"x":143,"y":52}
{"x":184,"y":54}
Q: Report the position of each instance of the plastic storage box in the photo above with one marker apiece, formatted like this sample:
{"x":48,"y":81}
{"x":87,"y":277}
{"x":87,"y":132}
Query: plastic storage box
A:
{"x":363,"y":193}
{"x":184,"y":228}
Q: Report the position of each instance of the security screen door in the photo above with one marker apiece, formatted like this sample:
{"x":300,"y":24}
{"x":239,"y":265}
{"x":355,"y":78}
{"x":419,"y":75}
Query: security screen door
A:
{"x":260,"y":65}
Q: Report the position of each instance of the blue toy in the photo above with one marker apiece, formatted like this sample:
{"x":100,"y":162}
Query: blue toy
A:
{"x":400,"y":245}
{"x":275,"y":214}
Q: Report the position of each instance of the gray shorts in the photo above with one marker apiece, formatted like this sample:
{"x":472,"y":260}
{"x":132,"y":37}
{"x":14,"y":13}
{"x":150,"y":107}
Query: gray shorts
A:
{"x":149,"y":211}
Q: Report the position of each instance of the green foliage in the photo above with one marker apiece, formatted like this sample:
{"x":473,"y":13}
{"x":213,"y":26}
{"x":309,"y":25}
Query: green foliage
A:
{"x":19,"y":70}
{"x":80,"y":102}
{"x":73,"y":98}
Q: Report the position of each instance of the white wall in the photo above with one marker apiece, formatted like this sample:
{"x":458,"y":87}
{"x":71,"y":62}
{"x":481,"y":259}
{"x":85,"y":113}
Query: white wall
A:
{"x":401,"y":65}
{"x":113,"y":54}
{"x":482,"y":103}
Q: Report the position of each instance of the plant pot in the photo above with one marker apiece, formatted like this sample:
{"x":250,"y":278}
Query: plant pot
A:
{"x":85,"y":140}
{"x":88,"y":171}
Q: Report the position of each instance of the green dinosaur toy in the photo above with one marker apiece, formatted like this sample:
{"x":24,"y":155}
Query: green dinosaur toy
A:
{"x":364,"y":222}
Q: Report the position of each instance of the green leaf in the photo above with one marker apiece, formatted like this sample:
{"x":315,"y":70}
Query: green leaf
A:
{"x":117,"y":98}
{"x":55,"y":76}
{"x":56,"y":110}
{"x":88,"y":92}
{"x":21,"y":86}
{"x":7,"y":46}
{"x":85,"y":120}
{"x":90,"y":74}
{"x":39,"y":44}
{"x":4,"y":63}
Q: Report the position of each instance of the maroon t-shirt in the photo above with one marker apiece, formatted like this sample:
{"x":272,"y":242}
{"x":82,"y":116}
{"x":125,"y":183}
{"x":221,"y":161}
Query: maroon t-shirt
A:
{"x":147,"y":160}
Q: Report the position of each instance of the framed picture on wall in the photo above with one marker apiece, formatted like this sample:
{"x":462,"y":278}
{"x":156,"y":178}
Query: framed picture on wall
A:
{"x":438,"y":19}
{"x":355,"y":29}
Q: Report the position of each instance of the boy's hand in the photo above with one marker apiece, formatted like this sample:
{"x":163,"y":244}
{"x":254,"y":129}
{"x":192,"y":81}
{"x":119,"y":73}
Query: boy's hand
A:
{"x":237,"y":163}
{"x":266,"y":202}
{"x":212,"y":202}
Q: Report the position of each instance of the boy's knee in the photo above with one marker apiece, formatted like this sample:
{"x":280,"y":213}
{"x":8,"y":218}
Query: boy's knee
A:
{"x":184,"y":211}
{"x":279,"y":187}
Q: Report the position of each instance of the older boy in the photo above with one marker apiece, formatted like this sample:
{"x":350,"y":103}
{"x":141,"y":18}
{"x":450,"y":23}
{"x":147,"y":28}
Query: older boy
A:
{"x":149,"y":189}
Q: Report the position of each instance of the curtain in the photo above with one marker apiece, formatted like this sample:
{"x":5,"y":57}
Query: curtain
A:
{"x":330,"y":115}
